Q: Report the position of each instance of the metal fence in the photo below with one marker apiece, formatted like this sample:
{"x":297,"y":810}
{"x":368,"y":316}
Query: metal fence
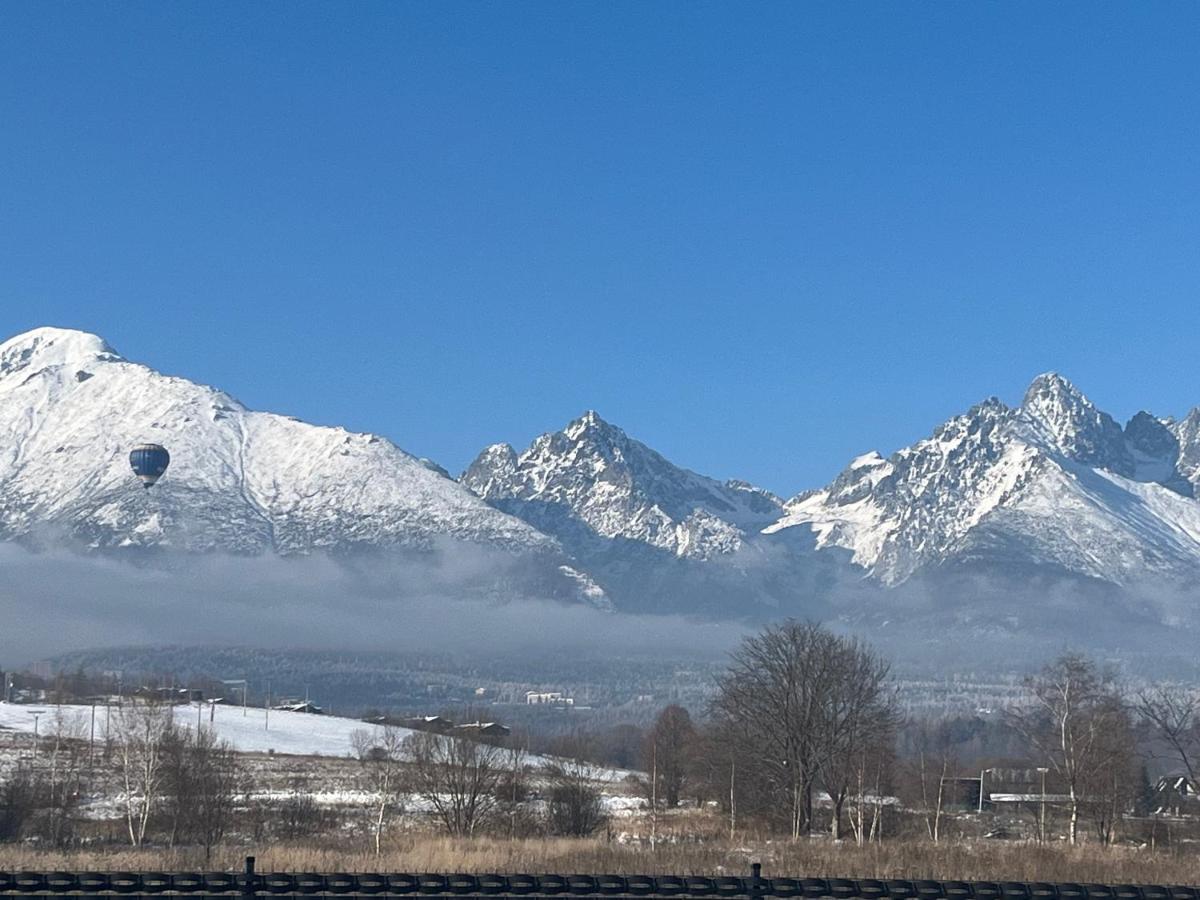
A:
{"x":250,"y":883}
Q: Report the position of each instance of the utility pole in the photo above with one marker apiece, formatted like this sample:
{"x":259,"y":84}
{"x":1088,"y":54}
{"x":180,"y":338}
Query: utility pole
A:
{"x":653,"y":793}
{"x":1042,"y":811}
{"x":267,"y":709}
{"x":982,"y":772}
{"x":245,"y":686}
{"x":92,"y":741}
{"x":732,"y":798}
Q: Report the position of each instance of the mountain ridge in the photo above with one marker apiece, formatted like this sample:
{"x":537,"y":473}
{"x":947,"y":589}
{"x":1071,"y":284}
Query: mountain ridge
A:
{"x":1052,"y":487}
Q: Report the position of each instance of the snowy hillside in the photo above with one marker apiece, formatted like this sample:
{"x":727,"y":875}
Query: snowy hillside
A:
{"x":252,"y":730}
{"x":244,"y":481}
{"x":1054,"y":484}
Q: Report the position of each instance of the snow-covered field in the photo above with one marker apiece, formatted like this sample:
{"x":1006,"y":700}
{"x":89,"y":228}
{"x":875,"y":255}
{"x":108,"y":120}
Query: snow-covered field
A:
{"x":247,"y":731}
{"x":254,"y":731}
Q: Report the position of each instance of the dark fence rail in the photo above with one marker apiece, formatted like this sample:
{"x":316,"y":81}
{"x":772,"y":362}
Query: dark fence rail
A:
{"x":317,"y":885}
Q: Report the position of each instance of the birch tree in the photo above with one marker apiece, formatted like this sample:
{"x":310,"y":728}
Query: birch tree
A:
{"x":1073,"y":712}
{"x":142,"y":728}
{"x":381,"y":755}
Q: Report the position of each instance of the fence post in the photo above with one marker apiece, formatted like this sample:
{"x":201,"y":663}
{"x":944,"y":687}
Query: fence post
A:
{"x":248,"y":885}
{"x":756,"y":881}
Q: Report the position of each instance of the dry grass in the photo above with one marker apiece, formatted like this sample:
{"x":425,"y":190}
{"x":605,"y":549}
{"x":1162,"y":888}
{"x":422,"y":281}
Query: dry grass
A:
{"x":975,"y":860}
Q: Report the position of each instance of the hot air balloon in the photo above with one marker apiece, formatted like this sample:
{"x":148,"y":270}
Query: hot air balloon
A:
{"x":149,"y":461}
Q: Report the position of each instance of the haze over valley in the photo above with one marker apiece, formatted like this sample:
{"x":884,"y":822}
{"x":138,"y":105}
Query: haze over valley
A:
{"x":1009,"y":532}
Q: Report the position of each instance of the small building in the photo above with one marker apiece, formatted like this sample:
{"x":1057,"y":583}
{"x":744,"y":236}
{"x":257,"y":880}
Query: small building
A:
{"x":171,"y":695}
{"x":483,"y":729}
{"x":427,"y":723}
{"x":548,"y":698}
{"x":300,"y":706}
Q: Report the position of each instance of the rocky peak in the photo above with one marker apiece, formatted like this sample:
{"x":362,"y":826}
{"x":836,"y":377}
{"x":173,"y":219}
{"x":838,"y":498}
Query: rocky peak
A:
{"x":1068,"y":423}
{"x":593,"y":473}
{"x":1187,"y":432}
{"x":1152,"y":436}
{"x":494,"y":468}
{"x":1156,"y":453}
{"x":591,"y":426}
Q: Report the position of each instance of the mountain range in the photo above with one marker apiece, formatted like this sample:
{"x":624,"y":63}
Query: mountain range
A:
{"x":1051,"y":491}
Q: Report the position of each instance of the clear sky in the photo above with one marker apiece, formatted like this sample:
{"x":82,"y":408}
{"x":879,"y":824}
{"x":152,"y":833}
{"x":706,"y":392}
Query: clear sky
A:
{"x":764,"y":238}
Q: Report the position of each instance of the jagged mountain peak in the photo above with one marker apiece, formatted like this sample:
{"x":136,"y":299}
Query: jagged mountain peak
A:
{"x":1065,"y":421}
{"x":1054,"y":483}
{"x":592,"y":483}
{"x":1051,"y":393}
{"x":590,"y":424}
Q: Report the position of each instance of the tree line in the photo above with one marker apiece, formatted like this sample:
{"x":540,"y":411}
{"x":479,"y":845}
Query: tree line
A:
{"x":803,"y":734}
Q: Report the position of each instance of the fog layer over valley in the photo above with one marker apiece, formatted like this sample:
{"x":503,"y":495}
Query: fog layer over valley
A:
{"x":54,"y":602}
{"x":417,"y":633}
{"x":1009,"y":533}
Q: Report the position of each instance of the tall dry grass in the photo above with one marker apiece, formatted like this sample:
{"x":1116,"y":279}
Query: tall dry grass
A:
{"x":967,"y":860}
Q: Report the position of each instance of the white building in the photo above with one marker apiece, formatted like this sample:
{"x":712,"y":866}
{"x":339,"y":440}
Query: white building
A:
{"x":549,"y":698}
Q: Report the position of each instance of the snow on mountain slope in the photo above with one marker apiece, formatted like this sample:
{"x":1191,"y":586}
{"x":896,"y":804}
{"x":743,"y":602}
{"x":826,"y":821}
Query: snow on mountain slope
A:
{"x":591,"y":482}
{"x":1054,"y":483}
{"x":242,"y":481}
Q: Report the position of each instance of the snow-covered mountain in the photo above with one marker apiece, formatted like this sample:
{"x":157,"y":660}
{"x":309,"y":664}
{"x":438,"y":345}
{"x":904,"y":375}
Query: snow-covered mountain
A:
{"x":1053,"y":488}
{"x":1053,"y":485}
{"x":592,"y":484}
{"x":653,"y":535}
{"x":240,"y":480}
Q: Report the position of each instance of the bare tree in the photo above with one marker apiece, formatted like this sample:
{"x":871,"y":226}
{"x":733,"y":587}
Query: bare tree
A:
{"x":1072,"y":715}
{"x":141,"y":730}
{"x":512,"y":791}
{"x":871,"y":764}
{"x":574,"y":806}
{"x":298,"y":815}
{"x":1173,"y":713}
{"x":18,"y":802}
{"x":933,"y":763}
{"x":770,"y":692}
{"x":59,"y":778}
{"x":668,"y":751}
{"x":457,"y":777}
{"x":381,"y":754}
{"x":218,"y":781}
{"x":855,"y":721}
{"x":802,"y":702}
{"x":1110,"y":785}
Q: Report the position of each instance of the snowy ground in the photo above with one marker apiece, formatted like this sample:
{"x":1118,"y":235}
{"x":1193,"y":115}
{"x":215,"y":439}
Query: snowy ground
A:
{"x":248,"y":731}
{"x":252,"y":732}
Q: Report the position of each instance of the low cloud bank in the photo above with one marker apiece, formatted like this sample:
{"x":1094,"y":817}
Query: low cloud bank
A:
{"x":57,"y":602}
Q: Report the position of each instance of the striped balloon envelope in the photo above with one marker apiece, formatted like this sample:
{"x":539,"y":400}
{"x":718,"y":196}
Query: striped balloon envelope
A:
{"x":148,"y":462}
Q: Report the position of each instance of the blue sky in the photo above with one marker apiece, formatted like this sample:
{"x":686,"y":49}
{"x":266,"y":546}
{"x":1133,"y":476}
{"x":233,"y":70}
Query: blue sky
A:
{"x":763,"y":238}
